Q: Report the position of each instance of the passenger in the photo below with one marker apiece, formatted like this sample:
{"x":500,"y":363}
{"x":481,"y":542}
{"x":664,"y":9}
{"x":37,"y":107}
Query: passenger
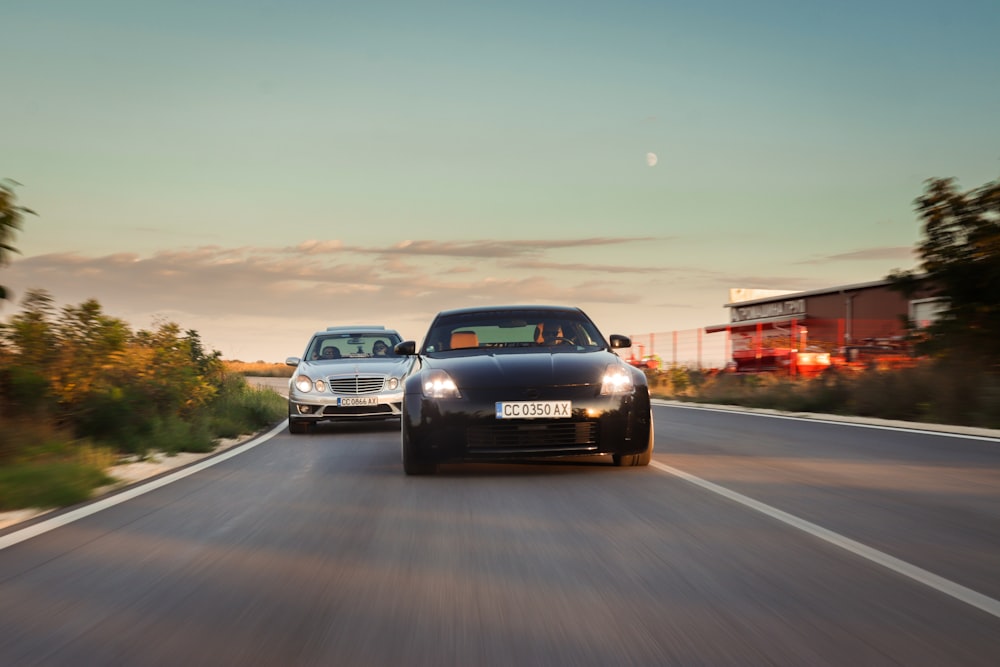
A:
{"x":330,"y":353}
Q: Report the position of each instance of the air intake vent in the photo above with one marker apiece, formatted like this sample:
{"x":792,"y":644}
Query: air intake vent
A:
{"x":557,"y":436}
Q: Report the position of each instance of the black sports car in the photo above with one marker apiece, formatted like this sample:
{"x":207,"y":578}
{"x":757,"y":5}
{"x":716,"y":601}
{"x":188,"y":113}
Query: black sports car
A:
{"x":516,"y":382}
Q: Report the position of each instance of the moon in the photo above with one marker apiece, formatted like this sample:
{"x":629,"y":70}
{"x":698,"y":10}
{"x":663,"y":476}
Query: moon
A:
{"x":651,"y":159}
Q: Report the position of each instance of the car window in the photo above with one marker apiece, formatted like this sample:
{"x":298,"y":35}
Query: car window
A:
{"x":507,"y":330}
{"x":353,"y":346}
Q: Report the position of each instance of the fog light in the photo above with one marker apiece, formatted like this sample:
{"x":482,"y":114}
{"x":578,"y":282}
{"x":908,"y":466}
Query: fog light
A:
{"x":306,"y":409}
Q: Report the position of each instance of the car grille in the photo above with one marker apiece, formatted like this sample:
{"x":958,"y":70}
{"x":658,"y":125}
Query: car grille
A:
{"x":555,"y":436}
{"x":357,"y":384}
{"x":358,"y":410}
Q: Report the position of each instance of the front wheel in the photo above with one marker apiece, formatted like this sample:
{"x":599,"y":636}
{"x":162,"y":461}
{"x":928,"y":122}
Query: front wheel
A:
{"x":642,"y":458}
{"x":299,"y":426}
{"x":412,"y":463}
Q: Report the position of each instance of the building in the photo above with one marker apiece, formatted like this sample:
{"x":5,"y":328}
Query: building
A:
{"x":808,"y":331}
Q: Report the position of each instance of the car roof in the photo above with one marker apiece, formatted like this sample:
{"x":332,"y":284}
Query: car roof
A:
{"x":489,"y":309}
{"x":357,"y":329}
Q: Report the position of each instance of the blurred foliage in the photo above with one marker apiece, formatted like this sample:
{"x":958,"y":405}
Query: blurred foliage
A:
{"x":76,"y":376}
{"x":942,"y":391}
{"x":91,"y":374}
{"x":43,"y":467}
{"x":11,"y":217}
{"x":960,"y":260}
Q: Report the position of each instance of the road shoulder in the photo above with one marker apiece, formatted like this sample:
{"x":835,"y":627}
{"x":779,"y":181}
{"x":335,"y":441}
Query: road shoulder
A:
{"x":129,"y":472}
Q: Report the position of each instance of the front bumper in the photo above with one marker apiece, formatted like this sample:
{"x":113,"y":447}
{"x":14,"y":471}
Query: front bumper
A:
{"x":468,"y":430}
{"x":314,"y":407}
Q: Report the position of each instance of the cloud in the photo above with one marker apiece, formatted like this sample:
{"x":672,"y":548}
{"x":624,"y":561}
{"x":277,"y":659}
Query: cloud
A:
{"x":590,"y":267}
{"x":763,"y":281}
{"x":219,"y":291}
{"x":486,"y":248}
{"x":318,"y":247}
{"x":165,"y":232}
{"x":891,"y":253}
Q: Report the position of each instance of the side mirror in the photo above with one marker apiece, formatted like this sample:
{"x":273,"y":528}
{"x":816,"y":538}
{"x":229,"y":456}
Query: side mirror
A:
{"x":407,"y":348}
{"x":618,"y":342}
{"x":292,"y":361}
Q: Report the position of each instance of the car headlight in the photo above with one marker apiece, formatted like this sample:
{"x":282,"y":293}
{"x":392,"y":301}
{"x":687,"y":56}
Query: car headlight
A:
{"x":305,"y":384}
{"x":393,"y":384}
{"x":616,"y":380}
{"x":438,"y":384}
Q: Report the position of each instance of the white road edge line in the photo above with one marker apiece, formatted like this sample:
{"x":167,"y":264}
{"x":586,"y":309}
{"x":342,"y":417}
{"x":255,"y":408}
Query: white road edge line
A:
{"x":42,"y":527}
{"x":957,"y":591}
{"x":837,"y":422}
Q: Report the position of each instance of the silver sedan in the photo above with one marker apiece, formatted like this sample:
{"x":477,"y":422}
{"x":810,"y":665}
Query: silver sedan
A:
{"x":347,"y":373}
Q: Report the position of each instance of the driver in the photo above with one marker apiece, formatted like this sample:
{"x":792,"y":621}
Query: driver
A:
{"x":380,"y":349}
{"x":550,"y":333}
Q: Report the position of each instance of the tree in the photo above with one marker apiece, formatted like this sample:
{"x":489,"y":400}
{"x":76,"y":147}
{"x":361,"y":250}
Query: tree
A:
{"x":960,"y":260}
{"x":30,"y":333}
{"x":11,"y":216}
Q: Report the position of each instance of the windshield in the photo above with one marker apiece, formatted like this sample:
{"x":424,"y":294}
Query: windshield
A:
{"x":352,"y":346}
{"x":558,"y":330}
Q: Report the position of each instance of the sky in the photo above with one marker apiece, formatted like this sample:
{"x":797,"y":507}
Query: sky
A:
{"x":258,"y":170}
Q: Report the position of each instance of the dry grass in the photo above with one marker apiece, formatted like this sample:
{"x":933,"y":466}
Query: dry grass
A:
{"x":259,"y":369}
{"x":928,"y":392}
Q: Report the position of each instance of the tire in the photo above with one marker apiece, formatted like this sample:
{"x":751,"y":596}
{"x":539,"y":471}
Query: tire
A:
{"x":413,"y":464}
{"x":642,"y":458}
{"x":299,"y":426}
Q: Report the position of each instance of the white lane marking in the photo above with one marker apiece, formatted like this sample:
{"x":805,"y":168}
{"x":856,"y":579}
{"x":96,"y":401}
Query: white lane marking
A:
{"x":41,"y":527}
{"x":946,"y":586}
{"x":955,"y":433}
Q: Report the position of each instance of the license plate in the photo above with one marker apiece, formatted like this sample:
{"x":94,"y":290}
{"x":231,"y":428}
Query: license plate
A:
{"x":352,"y":401}
{"x":534,"y":409}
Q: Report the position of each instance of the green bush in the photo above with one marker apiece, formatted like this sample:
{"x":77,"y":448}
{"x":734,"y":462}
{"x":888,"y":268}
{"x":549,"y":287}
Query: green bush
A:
{"x":119,"y":416}
{"x":47,"y":484}
{"x":830,"y":392}
{"x":25,"y":391}
{"x":240,"y":408}
{"x":987,"y":413}
{"x":42,"y":467}
{"x":172,"y":435}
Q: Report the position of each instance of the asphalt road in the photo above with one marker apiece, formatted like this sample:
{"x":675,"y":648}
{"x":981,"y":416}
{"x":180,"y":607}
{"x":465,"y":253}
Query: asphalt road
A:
{"x":751,"y":540}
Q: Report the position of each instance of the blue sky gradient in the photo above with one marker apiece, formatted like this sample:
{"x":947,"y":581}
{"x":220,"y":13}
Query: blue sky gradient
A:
{"x":257,"y":170}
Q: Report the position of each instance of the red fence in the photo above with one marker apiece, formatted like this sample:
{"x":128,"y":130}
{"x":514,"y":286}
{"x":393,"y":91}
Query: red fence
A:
{"x":844,"y":341}
{"x":692,"y":348}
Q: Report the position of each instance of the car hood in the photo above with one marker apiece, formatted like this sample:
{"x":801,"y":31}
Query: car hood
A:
{"x":518,"y":369}
{"x":393,"y":366}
